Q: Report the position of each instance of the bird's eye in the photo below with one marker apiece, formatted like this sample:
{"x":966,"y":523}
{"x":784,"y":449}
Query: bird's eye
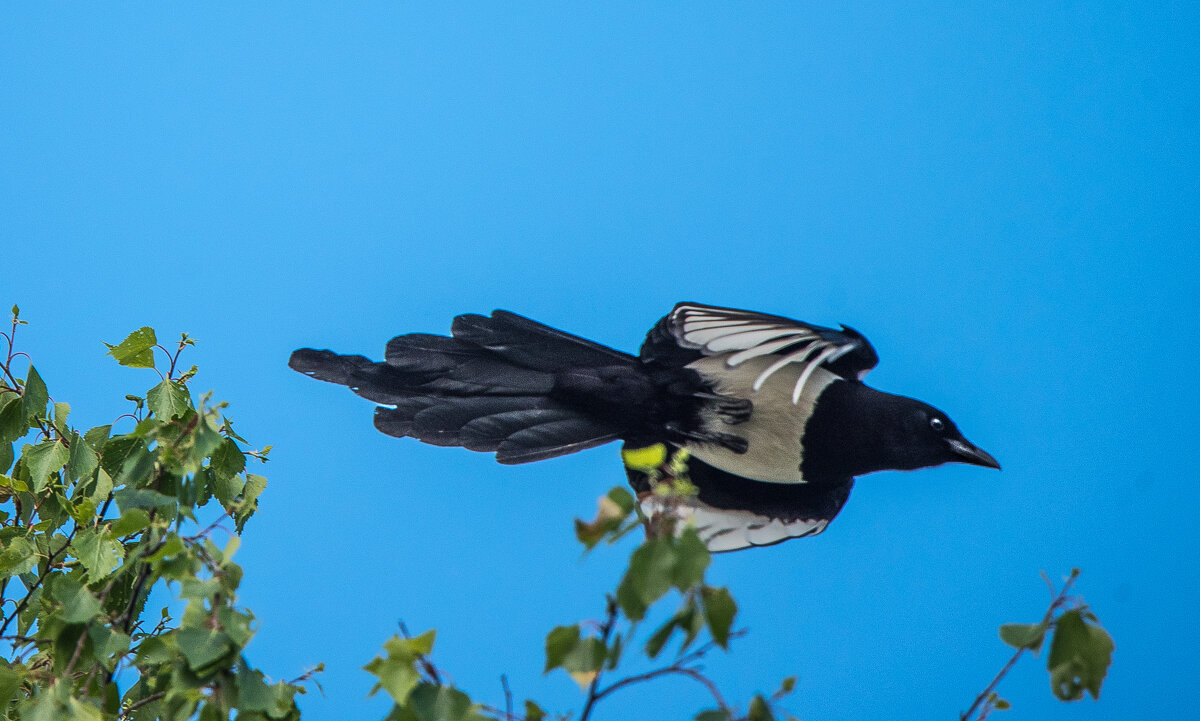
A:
{"x":936,"y":424}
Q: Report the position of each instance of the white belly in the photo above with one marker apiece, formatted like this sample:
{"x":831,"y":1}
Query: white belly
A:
{"x":775,"y":427}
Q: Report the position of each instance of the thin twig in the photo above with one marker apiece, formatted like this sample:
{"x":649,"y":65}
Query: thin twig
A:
{"x":691,"y":672}
{"x":610,"y":621}
{"x":422,"y":659}
{"x":211,"y":527}
{"x":1058,"y":601}
{"x":681,"y":667}
{"x":41,"y":577}
{"x":75,"y":656}
{"x":508,"y":697}
{"x":138,"y":704}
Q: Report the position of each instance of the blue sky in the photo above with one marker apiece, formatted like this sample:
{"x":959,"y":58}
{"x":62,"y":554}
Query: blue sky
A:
{"x":1003,"y":199}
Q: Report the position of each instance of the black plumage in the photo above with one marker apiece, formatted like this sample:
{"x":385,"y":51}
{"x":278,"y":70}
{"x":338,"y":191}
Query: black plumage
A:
{"x":769,"y":415}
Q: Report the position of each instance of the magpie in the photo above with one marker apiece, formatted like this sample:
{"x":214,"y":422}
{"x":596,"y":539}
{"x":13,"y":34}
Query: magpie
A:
{"x":768,"y":417}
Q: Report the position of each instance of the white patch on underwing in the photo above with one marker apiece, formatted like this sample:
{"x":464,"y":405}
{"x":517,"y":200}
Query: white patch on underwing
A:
{"x":732,"y":530}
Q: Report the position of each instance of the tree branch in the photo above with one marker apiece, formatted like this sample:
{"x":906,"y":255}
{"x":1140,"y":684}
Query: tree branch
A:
{"x":41,"y":577}
{"x":606,"y":629}
{"x":1055,"y":604}
{"x":138,"y":704}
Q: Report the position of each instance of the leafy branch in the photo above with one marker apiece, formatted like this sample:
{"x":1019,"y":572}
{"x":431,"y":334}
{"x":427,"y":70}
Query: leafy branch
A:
{"x":86,"y":575}
{"x":1080,"y":651}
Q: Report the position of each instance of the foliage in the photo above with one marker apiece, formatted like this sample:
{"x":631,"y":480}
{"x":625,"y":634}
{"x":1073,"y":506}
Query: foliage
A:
{"x":95,"y":523}
{"x":1080,"y":651}
{"x":591,"y":653}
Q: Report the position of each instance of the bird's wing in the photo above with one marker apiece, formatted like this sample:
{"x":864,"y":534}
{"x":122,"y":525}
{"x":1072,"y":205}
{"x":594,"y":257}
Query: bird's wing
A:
{"x":741,"y":335}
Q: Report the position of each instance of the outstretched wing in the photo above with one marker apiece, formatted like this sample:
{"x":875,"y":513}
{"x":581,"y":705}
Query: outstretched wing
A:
{"x":741,"y":335}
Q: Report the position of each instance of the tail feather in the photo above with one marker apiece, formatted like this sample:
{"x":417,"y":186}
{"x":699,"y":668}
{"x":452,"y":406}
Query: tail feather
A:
{"x":325,"y":365}
{"x":556,"y":438}
{"x":373,"y":381}
{"x":533,"y":345}
{"x":490,"y":387}
{"x":424,"y":352}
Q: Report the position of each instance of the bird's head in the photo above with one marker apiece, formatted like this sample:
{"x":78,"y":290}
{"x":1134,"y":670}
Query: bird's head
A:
{"x":855,"y":429}
{"x":927,"y":437}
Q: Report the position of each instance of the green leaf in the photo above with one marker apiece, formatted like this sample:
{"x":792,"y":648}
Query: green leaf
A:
{"x":660,"y":637}
{"x":714,"y":714}
{"x":116,"y":451}
{"x":78,"y":603}
{"x":61,"y":411}
{"x":248,"y":502}
{"x":228,"y":460}
{"x":614,"y":652}
{"x":719,"y":612}
{"x":202,"y":646}
{"x":559,"y":643}
{"x":98,"y":554}
{"x":237,"y":624}
{"x":171,"y":545}
{"x":137,"y":350}
{"x":760,"y":710}
{"x":421,"y":645}
{"x":96,"y":437}
{"x":587,"y":656}
{"x":199,"y":587}
{"x":205,"y":439}
{"x":82,"y":461}
{"x":35,"y":396}
{"x":6,"y":456}
{"x":10,"y":681}
{"x":107,"y":643}
{"x":128,"y":498}
{"x":131,"y":521}
{"x":13,"y":422}
{"x":648,"y":577}
{"x":1023,"y":635}
{"x":168,"y":399}
{"x":19,"y":555}
{"x":1080,"y":654}
{"x":431,"y":702}
{"x":227,"y":488}
{"x":533,"y":712}
{"x":253,"y":692}
{"x":42,"y":460}
{"x":693,"y":560}
{"x":396,"y":675}
{"x":613,"y":508}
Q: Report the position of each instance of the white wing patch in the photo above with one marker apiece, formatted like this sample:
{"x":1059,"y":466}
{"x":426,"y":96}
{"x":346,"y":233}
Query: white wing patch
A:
{"x":745,"y":336}
{"x":733,"y":530}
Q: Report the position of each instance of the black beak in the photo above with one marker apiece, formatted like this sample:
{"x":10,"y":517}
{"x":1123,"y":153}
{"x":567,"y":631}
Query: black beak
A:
{"x":968,"y":453}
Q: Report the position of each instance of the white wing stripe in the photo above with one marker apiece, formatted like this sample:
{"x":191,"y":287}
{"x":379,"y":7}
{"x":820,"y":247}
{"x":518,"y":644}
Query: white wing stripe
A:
{"x":797,"y":357}
{"x":764,"y":349}
{"x":750,"y":339}
{"x":698,"y":322}
{"x":812,"y":366}
{"x":740,"y":336}
{"x":704,"y":335}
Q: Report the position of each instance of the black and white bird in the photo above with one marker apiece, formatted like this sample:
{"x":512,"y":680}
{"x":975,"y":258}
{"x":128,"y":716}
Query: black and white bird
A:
{"x":769,"y":415}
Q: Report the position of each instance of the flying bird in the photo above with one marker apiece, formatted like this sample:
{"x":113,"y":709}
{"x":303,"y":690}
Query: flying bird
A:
{"x":768,"y":416}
